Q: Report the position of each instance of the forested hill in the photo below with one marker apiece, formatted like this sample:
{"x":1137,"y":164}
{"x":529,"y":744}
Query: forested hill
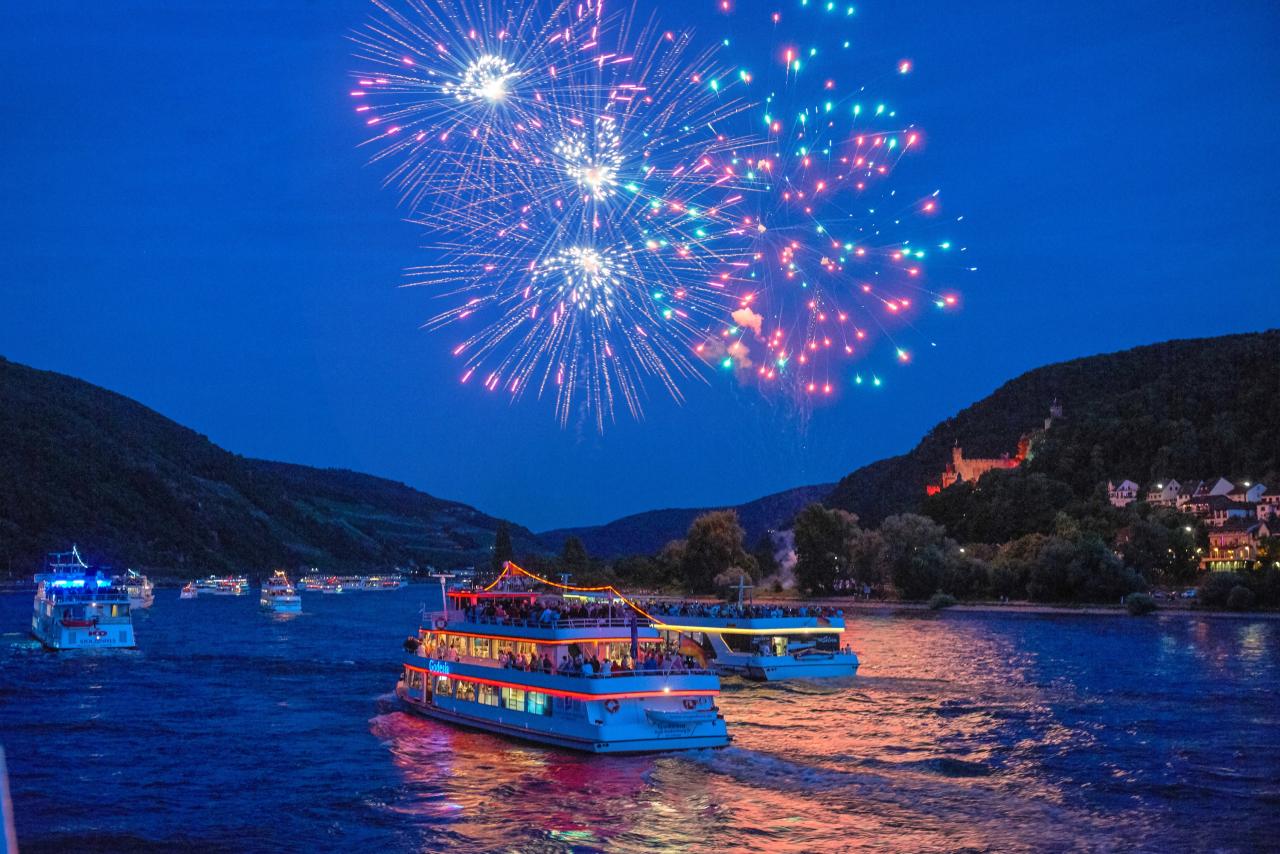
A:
{"x":646,"y":533}
{"x":80,"y":463}
{"x":1185,"y":409}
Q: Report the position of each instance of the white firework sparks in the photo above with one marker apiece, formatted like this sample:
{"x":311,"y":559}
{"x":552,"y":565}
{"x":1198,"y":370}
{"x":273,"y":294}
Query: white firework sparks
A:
{"x":593,"y":162}
{"x":585,"y":277}
{"x":487,"y":78}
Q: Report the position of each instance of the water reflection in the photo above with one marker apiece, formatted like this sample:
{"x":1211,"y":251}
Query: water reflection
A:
{"x":957,"y":733}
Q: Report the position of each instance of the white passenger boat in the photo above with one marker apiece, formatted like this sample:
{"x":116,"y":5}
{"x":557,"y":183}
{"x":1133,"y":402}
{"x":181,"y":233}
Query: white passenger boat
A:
{"x":761,"y":642}
{"x":279,"y":595}
{"x":79,"y":608}
{"x":589,"y":675}
{"x":189,"y":591}
{"x":140,"y":589}
{"x":229,"y":585}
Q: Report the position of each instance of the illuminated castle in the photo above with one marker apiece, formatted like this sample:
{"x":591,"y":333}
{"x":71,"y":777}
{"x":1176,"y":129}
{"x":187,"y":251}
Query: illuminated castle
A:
{"x":962,"y":469}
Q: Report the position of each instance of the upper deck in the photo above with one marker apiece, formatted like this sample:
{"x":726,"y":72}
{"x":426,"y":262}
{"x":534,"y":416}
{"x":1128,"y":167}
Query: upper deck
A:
{"x":749,"y":619}
{"x":519,"y":615}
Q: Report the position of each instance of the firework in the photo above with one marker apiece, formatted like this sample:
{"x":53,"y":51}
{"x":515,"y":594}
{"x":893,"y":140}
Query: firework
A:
{"x":845,"y":250}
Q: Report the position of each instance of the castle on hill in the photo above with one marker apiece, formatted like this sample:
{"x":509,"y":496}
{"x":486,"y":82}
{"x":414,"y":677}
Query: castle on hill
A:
{"x":968,"y":469}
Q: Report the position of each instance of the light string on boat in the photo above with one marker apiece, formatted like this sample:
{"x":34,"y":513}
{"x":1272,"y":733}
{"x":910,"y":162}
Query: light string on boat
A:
{"x":509,"y":566}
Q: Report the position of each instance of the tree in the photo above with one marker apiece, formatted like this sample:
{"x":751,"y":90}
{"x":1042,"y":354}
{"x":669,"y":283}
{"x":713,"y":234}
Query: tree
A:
{"x":503,"y":550}
{"x":766,"y":559}
{"x":1081,"y":570}
{"x":915,"y":555}
{"x":712,"y":546}
{"x":824,"y":540}
{"x":573,"y":557}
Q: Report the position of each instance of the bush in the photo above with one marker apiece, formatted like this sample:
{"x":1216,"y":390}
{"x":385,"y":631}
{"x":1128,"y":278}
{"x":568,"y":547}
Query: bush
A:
{"x":1240,"y":598}
{"x":1139,"y":604}
{"x":941,"y":600}
{"x":1216,"y":587}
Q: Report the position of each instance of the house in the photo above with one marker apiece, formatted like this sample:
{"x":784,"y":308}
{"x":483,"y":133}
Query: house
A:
{"x":1124,"y":494}
{"x":1268,"y":506}
{"x":1234,"y":545}
{"x":1223,"y":510}
{"x":1247,"y":492}
{"x":1221,"y":486}
{"x":1164,"y":494}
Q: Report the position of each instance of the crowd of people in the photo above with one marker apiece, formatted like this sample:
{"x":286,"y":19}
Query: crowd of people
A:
{"x":572,"y":664}
{"x":733,"y":610}
{"x":520,"y":612}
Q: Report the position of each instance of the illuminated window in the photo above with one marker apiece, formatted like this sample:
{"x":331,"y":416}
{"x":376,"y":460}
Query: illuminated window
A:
{"x":480,"y":647}
{"x":444,"y":686}
{"x":414,"y":679}
{"x":487,"y":694}
{"x":536,"y":704}
{"x":465,"y":691}
{"x":513,"y":698}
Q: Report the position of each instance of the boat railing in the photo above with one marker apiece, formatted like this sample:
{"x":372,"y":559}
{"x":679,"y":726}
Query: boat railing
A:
{"x":537,"y":622}
{"x":577,"y":674}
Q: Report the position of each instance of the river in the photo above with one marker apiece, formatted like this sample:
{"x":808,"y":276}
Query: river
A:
{"x":231,"y":730}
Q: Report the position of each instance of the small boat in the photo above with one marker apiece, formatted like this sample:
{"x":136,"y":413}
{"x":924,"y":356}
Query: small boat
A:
{"x":522,"y":663}
{"x":140,"y":589}
{"x":189,"y":591}
{"x":279,"y":595}
{"x":229,"y":585}
{"x":331,"y":585}
{"x":79,"y":608}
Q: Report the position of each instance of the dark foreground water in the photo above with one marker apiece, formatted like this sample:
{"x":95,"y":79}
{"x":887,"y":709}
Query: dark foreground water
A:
{"x":230,"y":730}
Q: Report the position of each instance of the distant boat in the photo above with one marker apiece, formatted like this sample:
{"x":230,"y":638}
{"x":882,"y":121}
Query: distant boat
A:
{"x":229,"y":585}
{"x":279,"y":595}
{"x":189,"y":591}
{"x":140,"y":589}
{"x":79,"y":608}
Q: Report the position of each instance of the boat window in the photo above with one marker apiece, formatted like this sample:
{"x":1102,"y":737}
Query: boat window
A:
{"x":480,"y":647}
{"x":444,"y":685}
{"x":465,"y":691}
{"x":570,"y":706}
{"x":513,"y":698}
{"x":536,"y":704}
{"x":413,"y":678}
{"x":487,"y":694}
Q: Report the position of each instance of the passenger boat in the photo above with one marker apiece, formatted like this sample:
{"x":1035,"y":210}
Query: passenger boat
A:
{"x":140,"y":589}
{"x":383,"y":582}
{"x":279,"y":595}
{"x":79,"y":608}
{"x":762,"y":642}
{"x":230,"y":585}
{"x":521,"y":663}
{"x":331,"y":586}
{"x":312,"y":581}
{"x":189,"y":591}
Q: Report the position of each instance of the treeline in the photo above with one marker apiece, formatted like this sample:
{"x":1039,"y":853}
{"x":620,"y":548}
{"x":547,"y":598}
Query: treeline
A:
{"x":1099,"y":554}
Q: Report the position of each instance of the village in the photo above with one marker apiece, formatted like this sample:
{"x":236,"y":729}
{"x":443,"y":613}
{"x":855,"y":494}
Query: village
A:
{"x":1237,"y":517}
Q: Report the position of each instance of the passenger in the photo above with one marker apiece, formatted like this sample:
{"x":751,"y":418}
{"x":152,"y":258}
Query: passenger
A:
{"x":586,"y":668}
{"x":606,"y":669}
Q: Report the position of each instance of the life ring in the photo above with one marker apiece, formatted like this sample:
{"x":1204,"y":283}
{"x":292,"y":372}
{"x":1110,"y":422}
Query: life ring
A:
{"x":611,"y":705}
{"x":690,"y":703}
{"x":441,"y":622}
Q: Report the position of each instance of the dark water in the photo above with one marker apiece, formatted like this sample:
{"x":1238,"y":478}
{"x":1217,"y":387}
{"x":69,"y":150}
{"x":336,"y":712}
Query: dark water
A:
{"x":232,"y":730}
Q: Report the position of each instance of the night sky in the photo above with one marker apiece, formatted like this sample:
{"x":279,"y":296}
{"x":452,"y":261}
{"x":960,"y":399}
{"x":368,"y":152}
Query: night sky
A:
{"x":187,"y":220}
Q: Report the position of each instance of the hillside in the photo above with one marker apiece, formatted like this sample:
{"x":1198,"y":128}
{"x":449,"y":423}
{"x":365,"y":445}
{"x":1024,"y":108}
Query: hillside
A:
{"x":646,"y":533}
{"x":1187,"y":409}
{"x":81,"y":463}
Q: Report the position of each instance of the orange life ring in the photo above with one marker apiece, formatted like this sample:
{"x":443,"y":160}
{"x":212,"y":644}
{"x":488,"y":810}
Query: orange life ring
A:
{"x":611,"y":705}
{"x":690,"y":703}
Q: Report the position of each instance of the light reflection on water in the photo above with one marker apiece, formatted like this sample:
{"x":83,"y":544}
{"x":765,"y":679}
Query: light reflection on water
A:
{"x":999,"y":732}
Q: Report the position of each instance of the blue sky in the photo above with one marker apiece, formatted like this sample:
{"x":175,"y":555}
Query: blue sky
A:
{"x":188,"y":221}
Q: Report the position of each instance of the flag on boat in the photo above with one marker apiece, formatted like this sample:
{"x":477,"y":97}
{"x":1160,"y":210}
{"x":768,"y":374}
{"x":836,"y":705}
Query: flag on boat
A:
{"x":694,"y":650}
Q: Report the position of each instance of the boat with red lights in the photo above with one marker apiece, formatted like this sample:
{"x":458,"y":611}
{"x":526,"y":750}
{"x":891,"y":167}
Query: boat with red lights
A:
{"x":572,"y":667}
{"x":77,"y":607}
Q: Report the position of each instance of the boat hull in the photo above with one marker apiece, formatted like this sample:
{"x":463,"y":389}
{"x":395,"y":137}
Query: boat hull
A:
{"x":282,"y":606}
{"x":782,"y":668}
{"x":53,"y":635}
{"x":487,"y":720}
